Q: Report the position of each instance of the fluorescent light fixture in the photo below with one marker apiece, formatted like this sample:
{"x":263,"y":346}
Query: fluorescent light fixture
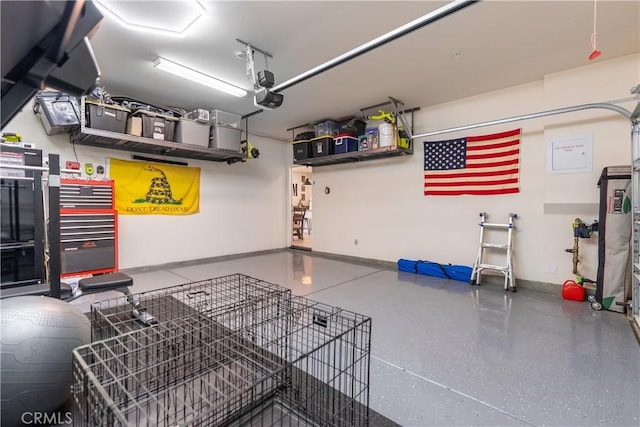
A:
{"x":198,"y":77}
{"x":128,"y":24}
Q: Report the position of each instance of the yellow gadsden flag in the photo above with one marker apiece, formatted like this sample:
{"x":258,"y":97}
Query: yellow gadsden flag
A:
{"x":143,"y":188}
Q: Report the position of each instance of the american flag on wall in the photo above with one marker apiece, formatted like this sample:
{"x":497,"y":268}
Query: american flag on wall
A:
{"x":477,"y":165}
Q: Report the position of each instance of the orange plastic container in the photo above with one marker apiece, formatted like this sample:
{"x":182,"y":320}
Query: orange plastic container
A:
{"x":573,"y":291}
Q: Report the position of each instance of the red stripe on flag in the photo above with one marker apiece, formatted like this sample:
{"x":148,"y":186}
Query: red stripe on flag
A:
{"x":493,"y":136}
{"x":488,"y":165}
{"x":470,"y":174}
{"x":472,"y":183}
{"x":471,"y":192}
{"x":492,"y":146}
{"x":492,"y":155}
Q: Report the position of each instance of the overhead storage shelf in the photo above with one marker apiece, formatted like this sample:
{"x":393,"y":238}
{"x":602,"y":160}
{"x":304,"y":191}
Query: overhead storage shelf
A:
{"x":118,"y":141}
{"x":122,"y":141}
{"x":355,"y":156}
{"x":397,"y":107}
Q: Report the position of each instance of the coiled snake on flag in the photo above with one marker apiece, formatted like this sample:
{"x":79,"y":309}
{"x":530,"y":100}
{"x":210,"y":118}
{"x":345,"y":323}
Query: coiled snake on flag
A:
{"x":160,"y":189}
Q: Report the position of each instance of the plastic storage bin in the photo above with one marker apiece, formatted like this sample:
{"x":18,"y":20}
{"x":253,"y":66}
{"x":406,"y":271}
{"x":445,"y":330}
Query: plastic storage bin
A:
{"x":305,"y":136}
{"x":328,"y":128}
{"x":353,"y":127}
{"x":321,"y":146}
{"x":226,"y":138}
{"x":157,"y":126}
{"x":192,"y":132}
{"x":223,"y":118}
{"x":344,"y":144}
{"x":302,"y":150}
{"x":106,"y":116}
{"x":199,"y":115}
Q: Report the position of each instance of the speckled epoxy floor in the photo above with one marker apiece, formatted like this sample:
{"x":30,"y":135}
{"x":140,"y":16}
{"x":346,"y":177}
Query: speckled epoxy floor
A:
{"x":444,"y":353}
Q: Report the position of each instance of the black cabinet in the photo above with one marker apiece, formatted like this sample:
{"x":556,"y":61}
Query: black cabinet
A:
{"x":21,"y":217}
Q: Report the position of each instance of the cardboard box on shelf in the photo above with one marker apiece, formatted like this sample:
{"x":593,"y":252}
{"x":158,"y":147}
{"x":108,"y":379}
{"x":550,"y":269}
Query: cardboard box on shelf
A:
{"x":134,"y":126}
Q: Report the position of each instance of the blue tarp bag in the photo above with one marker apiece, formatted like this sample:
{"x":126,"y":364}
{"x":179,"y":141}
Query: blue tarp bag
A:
{"x":445,"y":271}
{"x":408,"y":265}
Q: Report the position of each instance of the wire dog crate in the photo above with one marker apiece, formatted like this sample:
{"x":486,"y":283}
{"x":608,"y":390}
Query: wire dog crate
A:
{"x":114,"y":316}
{"x":233,"y":351}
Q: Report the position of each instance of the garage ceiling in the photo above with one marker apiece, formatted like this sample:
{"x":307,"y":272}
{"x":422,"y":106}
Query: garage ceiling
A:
{"x":487,"y":46}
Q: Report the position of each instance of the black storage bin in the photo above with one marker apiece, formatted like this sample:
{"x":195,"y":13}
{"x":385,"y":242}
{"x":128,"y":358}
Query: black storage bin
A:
{"x":157,"y":126}
{"x":302,"y":150}
{"x":305,"y":136}
{"x":353,"y":127}
{"x":106,"y":116}
{"x":322,"y":146}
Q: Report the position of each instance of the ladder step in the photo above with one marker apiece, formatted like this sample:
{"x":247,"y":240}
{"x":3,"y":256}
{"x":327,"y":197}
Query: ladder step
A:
{"x":493,"y":225}
{"x":492,"y":267}
{"x":495,"y":245}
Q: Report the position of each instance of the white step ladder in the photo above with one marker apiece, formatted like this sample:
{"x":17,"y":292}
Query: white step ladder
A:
{"x":507,"y":269}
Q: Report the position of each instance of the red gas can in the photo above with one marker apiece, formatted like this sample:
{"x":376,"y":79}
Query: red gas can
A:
{"x":572,"y":291}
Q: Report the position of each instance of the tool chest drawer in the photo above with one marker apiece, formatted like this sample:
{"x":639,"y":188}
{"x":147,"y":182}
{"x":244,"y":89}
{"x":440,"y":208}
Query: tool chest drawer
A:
{"x":86,"y":194}
{"x":88,"y":242}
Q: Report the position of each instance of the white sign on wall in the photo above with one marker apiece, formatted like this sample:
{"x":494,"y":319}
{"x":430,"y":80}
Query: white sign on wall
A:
{"x":570,"y":154}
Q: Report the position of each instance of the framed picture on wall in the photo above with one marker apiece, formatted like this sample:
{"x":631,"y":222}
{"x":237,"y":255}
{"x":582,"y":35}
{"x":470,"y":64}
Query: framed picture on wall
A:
{"x":302,"y":196}
{"x":302,"y":187}
{"x":302,"y":179}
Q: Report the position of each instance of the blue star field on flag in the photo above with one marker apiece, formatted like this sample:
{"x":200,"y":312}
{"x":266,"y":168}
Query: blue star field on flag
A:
{"x":445,"y":155}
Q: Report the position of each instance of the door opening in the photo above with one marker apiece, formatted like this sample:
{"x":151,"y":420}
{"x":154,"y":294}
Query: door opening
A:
{"x":301,"y":207}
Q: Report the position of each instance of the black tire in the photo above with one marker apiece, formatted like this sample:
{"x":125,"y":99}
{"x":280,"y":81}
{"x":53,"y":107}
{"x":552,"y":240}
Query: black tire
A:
{"x":597,"y":306}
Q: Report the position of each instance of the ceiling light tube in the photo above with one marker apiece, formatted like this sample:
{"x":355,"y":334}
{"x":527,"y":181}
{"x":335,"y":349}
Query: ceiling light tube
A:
{"x":135,"y":27}
{"x":198,"y":77}
{"x":104,"y":7}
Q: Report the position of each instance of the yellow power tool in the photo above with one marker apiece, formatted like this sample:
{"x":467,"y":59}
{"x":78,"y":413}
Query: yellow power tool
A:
{"x":387,"y":117}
